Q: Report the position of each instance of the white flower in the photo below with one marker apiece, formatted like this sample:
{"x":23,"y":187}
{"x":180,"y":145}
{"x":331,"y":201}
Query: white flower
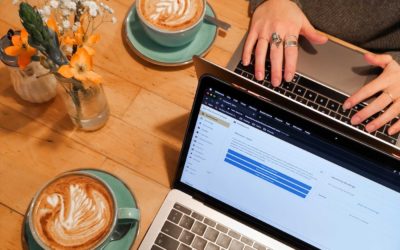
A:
{"x":54,"y":4}
{"x":66,"y":24}
{"x":76,"y":26}
{"x":65,"y":12}
{"x":114,"y":19}
{"x":46,"y":10}
{"x":93,"y":12}
{"x":71,"y":6}
{"x":15,"y":2}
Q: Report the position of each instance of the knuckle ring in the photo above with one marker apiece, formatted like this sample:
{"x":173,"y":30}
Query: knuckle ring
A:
{"x":291,"y":42}
{"x":276,"y":39}
{"x":390,"y":95}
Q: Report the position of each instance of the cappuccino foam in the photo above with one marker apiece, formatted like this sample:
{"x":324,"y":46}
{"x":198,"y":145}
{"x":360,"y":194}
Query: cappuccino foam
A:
{"x":172,"y":15}
{"x":73,"y":212}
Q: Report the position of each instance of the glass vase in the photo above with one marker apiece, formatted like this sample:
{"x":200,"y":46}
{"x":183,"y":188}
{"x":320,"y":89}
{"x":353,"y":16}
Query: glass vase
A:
{"x":34,"y":83}
{"x":86,"y":105}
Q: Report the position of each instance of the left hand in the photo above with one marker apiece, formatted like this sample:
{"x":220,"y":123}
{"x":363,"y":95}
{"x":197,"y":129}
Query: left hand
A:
{"x":388,"y":82}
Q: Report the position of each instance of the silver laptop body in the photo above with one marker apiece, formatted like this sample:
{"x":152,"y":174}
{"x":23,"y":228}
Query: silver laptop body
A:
{"x":254,"y":175}
{"x":338,"y":69}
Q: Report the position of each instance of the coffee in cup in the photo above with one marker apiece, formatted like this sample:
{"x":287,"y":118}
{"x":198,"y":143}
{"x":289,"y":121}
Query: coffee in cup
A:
{"x":74,"y":211}
{"x":171,"y":23}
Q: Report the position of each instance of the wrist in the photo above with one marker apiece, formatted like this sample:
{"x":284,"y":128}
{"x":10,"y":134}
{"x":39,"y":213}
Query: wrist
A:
{"x":255,"y":3}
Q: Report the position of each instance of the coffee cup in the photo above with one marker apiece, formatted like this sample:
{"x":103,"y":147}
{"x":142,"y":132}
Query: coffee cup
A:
{"x":77,"y":210}
{"x":171,"y":23}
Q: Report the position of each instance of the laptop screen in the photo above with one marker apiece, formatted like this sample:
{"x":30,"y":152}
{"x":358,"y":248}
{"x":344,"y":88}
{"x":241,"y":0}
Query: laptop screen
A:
{"x":290,"y":174}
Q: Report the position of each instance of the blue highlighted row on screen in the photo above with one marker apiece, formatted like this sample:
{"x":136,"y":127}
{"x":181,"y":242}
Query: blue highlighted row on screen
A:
{"x":266,"y":173}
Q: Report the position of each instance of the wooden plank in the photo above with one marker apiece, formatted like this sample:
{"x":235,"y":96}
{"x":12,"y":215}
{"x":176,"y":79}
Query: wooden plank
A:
{"x":148,"y":112}
{"x":10,"y":229}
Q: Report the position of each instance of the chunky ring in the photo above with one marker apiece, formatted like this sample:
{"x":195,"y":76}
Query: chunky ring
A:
{"x":291,"y":42}
{"x":276,"y":39}
{"x":390,"y":95}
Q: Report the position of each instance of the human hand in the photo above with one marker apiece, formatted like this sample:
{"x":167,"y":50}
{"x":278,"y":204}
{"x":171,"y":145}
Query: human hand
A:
{"x":286,"y":19}
{"x":388,"y":82}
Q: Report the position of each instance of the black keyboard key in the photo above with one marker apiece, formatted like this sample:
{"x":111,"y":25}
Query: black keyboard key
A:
{"x":312,"y":105}
{"x":234,"y":234}
{"x":199,"y":243}
{"x":321,"y":100}
{"x":290,"y":95}
{"x":211,"y":234}
{"x":352,"y":112}
{"x":197,"y":216}
{"x":248,"y":75}
{"x":186,"y":222}
{"x":166,"y":242}
{"x":236,"y":245}
{"x":345,"y":120}
{"x":184,"y":247}
{"x":171,"y":229}
{"x":310,"y":95}
{"x":301,"y":100}
{"x":394,"y":121}
{"x":386,"y":138}
{"x":343,"y":111}
{"x":280,"y":90}
{"x":332,"y":105}
{"x":182,"y":209}
{"x":223,"y":240}
{"x":335,"y":115}
{"x":199,"y":228}
{"x":247,"y":241}
{"x":323,"y":110}
{"x":300,"y":91}
{"x":295,"y":78}
{"x":209,"y":222}
{"x":238,"y":71}
{"x":259,"y":246}
{"x":175,"y":216}
{"x":222,"y":228}
{"x":154,"y":247}
{"x":394,"y":136}
{"x":267,"y":84}
{"x":288,"y":86}
{"x":187,"y":237}
{"x":359,"y":106}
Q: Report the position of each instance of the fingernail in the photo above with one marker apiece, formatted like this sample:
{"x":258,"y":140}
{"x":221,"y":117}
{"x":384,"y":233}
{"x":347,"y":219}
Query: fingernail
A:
{"x":370,"y":127}
{"x":275,"y":82}
{"x":259,"y":76}
{"x":346,"y":105}
{"x":245,"y":62}
{"x":288,"y":77}
{"x":390,"y":131}
{"x":355,"y":120}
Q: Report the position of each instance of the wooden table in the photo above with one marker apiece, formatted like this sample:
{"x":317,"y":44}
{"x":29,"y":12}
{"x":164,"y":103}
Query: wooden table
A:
{"x":141,"y":141}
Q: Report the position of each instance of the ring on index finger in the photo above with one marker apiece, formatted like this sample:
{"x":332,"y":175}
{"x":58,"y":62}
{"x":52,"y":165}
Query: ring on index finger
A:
{"x":276,"y":39}
{"x":291,"y":41}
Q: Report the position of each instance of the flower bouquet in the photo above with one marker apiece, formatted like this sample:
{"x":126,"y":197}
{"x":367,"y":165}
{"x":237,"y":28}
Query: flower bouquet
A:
{"x":60,"y":36}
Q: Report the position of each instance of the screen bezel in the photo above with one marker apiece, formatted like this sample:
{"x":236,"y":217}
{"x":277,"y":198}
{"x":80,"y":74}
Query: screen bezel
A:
{"x":334,"y":138}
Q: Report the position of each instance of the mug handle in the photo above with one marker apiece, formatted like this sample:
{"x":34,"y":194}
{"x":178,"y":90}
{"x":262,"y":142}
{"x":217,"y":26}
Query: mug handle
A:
{"x":126,"y":217}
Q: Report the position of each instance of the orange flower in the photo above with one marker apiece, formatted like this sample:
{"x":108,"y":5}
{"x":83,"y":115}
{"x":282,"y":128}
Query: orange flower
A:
{"x":21,"y":48}
{"x":80,"y":68}
{"x":80,"y":41}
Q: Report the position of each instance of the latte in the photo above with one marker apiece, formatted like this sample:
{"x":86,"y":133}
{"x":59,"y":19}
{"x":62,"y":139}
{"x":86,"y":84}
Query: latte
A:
{"x":172,"y":15}
{"x":73,"y":212}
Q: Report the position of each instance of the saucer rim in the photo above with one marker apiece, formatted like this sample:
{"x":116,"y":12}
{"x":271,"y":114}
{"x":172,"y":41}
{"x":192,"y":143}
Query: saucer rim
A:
{"x":161,"y":63}
{"x":25,"y":242}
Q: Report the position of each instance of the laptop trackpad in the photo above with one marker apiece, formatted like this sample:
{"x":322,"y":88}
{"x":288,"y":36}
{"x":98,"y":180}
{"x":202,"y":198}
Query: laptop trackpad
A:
{"x":335,"y":65}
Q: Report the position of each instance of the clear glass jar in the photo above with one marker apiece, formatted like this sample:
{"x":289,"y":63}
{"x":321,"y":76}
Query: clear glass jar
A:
{"x":86,"y":106}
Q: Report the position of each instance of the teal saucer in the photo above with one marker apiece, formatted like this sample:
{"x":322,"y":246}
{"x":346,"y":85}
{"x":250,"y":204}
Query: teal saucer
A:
{"x":124,"y":197}
{"x":152,"y":52}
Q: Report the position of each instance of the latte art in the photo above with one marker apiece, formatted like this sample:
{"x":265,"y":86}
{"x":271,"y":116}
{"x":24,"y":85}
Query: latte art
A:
{"x":74,"y":212}
{"x":172,"y":14}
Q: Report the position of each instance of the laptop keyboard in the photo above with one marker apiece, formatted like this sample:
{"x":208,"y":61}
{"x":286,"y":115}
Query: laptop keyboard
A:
{"x":186,"y":229}
{"x":319,"y":98}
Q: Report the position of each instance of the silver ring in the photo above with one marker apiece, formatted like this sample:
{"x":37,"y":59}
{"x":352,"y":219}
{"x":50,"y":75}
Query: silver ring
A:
{"x":390,"y":95}
{"x":276,"y":39}
{"x":291,"y":42}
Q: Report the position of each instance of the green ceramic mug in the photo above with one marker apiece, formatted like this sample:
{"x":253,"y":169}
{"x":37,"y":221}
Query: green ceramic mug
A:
{"x":78,"y":210}
{"x":171,"y":23}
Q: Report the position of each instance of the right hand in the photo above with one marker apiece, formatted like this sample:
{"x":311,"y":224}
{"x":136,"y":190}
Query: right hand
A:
{"x":285,"y":18}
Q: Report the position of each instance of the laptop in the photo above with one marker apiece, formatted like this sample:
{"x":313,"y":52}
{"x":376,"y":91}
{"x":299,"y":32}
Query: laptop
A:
{"x":253,"y":175}
{"x":326,"y":75}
